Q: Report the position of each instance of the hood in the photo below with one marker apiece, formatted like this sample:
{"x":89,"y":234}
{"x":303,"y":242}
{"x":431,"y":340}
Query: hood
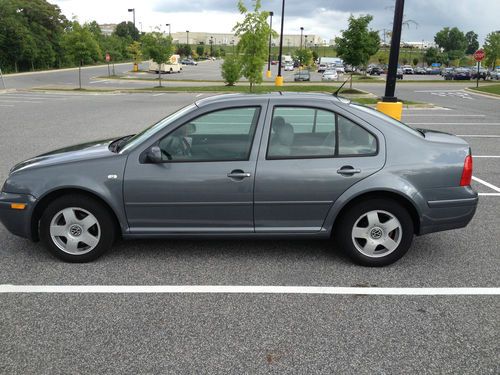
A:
{"x":89,"y":150}
{"x":437,"y":136}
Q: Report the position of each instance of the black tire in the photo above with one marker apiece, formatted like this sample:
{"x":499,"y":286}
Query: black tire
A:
{"x":81,"y":206}
{"x":344,"y":232}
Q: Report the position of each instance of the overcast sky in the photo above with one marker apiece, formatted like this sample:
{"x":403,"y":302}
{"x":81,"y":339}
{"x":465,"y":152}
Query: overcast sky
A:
{"x":325,"y":18}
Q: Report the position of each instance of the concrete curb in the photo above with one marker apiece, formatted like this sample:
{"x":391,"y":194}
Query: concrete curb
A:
{"x":480,"y":93}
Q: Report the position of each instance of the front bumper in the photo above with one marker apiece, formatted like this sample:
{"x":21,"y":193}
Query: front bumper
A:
{"x":17,"y":221}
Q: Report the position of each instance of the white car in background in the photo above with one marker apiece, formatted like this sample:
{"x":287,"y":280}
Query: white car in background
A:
{"x":330,"y":75}
{"x":289,"y":67}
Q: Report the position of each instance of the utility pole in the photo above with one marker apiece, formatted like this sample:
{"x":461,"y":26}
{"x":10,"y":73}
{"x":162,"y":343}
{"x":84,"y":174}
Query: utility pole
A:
{"x":169,"y":30}
{"x":133,"y":14}
{"x":389,"y":104}
{"x":268,"y":73}
{"x":301,"y":32}
{"x":279,"y":79}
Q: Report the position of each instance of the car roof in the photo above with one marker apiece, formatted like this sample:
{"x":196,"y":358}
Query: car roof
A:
{"x":292,"y":96}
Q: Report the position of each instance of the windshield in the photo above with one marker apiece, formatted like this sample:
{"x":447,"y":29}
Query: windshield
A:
{"x":384,"y":117}
{"x":148,"y":132}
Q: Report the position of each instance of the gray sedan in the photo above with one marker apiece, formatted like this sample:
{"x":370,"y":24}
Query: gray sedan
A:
{"x":268,"y":166}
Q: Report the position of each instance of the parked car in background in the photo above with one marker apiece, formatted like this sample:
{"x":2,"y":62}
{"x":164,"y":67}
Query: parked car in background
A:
{"x":322,"y":68}
{"x":302,"y":75}
{"x":339,"y":69}
{"x":407,"y":69}
{"x":330,"y":75}
{"x":188,"y":62}
{"x":420,"y":70}
{"x":495,"y":74}
{"x":173,"y":66}
{"x":461,"y":74}
{"x":286,"y":165}
{"x":399,"y":73}
{"x":483,"y":73}
{"x":374,"y":70}
{"x":289,"y":67}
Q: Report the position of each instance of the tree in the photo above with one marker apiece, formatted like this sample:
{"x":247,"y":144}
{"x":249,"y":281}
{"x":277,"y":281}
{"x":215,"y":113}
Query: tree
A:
{"x":492,"y":48}
{"x":231,"y":70}
{"x":452,"y":41}
{"x":304,"y":56}
{"x":434,"y":55}
{"x":415,"y":61}
{"x":184,"y":50}
{"x":200,"y":50}
{"x":357,"y":44}
{"x":127,"y":30}
{"x":253,"y":44}
{"x":158,"y":48}
{"x":80,"y":46}
{"x":472,"y":43}
{"x":134,"y":50}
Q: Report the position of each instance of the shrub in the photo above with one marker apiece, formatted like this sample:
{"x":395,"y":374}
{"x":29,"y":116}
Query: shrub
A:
{"x":231,"y":70}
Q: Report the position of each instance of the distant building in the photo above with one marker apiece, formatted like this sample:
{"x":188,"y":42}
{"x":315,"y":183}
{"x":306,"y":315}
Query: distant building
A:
{"x":419,"y":45}
{"x":227,"y":39}
{"x":107,"y":28}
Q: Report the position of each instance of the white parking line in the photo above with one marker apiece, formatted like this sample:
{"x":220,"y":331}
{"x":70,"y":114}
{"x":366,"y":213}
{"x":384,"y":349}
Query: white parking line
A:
{"x":6,"y":105}
{"x":18,"y":101}
{"x":158,"y":94}
{"x":486,"y":156}
{"x":489,"y":194}
{"x":478,"y":136}
{"x":491,"y":186}
{"x":456,"y":123}
{"x":245,"y":289}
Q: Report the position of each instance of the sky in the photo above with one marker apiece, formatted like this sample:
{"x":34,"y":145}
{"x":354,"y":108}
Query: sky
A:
{"x":325,"y":18}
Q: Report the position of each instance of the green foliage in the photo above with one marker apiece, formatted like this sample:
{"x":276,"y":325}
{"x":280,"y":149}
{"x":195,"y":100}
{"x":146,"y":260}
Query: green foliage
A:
{"x":305,"y":56}
{"x":253,"y":32}
{"x":492,"y":48}
{"x":434,"y":55}
{"x":157,"y":47}
{"x":415,"y":61}
{"x":357,"y":44}
{"x":127,"y":30}
{"x":472,"y":43}
{"x":231,"y":70}
{"x":79,"y":45}
{"x":134,"y":50}
{"x":200,"y":50}
{"x":315,"y":55}
{"x":115,"y":46}
{"x":184,"y":50}
{"x":452,"y":41}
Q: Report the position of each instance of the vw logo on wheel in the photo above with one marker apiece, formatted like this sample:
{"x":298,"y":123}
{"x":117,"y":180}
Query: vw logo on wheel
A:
{"x":376,"y":233}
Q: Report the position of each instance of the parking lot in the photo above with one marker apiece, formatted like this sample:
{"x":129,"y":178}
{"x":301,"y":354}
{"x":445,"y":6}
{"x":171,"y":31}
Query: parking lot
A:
{"x":243,"y":330}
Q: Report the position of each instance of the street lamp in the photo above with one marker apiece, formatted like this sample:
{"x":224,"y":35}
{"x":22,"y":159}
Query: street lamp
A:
{"x":211,"y":46}
{"x":169,"y":29}
{"x":268,"y":73}
{"x":301,"y":32}
{"x":187,"y":37}
{"x":279,"y":79}
{"x":133,"y":13}
{"x":305,"y":41}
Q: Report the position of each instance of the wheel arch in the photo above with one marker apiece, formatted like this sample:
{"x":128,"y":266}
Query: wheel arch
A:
{"x":44,"y":201}
{"x":381,"y":194}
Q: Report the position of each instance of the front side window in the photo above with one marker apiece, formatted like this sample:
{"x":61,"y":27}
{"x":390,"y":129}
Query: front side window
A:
{"x":217,"y":136}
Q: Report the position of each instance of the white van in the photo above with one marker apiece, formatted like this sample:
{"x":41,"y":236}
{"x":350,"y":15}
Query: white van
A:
{"x":173,"y":65}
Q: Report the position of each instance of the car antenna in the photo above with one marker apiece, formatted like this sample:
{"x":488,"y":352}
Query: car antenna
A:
{"x":336,"y":93}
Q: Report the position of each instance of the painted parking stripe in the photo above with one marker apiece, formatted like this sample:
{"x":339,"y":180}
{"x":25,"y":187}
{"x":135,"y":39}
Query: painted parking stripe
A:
{"x":491,"y":186}
{"x":456,"y":123}
{"x":478,"y":136}
{"x":244,"y":289}
{"x":441,"y":115}
{"x":489,"y":194}
{"x":486,"y":156}
{"x":17,"y":101}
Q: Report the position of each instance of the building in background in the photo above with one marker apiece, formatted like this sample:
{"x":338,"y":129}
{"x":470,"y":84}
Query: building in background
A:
{"x":107,"y":28}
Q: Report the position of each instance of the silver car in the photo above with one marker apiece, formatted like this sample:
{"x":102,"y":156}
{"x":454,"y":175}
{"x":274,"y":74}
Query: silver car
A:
{"x":280,"y":165}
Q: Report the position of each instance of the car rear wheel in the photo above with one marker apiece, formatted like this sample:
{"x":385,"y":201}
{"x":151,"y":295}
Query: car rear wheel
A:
{"x":77,"y":228}
{"x":375,"y":232}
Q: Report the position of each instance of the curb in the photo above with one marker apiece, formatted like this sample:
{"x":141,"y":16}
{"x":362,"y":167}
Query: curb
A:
{"x":484,"y":94}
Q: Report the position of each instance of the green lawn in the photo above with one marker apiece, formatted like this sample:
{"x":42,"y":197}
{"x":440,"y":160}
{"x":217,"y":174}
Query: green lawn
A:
{"x":490,"y":89}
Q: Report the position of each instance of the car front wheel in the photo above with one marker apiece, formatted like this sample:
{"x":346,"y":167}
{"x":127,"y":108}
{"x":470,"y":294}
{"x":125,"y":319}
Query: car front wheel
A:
{"x":77,"y":228}
{"x":375,"y":232}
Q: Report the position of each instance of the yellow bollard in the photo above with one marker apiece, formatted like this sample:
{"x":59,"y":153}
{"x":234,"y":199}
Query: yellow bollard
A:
{"x":278,"y":81}
{"x":136,"y":67}
{"x":268,"y":74}
{"x":393,"y":109}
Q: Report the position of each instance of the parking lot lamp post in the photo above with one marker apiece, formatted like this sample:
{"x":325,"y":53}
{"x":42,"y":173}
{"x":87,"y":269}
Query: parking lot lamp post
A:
{"x":268,"y":73}
{"x":279,"y":79}
{"x":133,"y":14}
{"x":389,"y":104}
{"x":301,"y":32}
{"x":169,"y":30}
{"x":187,"y":37}
{"x":305,"y":41}
{"x":211,"y":46}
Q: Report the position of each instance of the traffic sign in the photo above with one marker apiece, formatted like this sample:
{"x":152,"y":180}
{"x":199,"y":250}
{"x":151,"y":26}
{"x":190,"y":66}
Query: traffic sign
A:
{"x":108,"y":57}
{"x":479,"y":55}
{"x":436,"y":64}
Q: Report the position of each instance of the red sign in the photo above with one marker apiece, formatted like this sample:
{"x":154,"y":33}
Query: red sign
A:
{"x":108,"y":57}
{"x":479,"y":55}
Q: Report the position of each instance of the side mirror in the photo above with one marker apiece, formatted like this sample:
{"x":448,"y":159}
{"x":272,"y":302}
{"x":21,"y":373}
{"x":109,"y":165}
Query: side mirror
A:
{"x":154,"y":155}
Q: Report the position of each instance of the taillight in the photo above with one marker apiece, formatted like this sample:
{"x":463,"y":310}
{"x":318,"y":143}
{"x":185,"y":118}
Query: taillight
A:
{"x":467,"y":171}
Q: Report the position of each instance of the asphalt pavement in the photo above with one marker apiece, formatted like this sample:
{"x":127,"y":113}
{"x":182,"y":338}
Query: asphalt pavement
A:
{"x":176,"y":333}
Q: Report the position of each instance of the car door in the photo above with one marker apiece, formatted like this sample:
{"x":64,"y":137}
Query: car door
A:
{"x":310,"y":154}
{"x":204,"y":184}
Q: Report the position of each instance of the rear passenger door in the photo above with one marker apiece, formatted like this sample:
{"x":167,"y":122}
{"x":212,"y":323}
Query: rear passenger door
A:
{"x":309,"y":155}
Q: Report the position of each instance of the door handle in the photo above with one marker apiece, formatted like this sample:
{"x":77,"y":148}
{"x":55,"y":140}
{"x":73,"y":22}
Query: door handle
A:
{"x":348,"y":170}
{"x":238,"y":173}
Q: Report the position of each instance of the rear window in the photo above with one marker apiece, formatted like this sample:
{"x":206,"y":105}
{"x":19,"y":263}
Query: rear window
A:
{"x":386,"y":118}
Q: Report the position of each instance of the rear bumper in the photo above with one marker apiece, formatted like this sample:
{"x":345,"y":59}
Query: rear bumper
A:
{"x":16,"y":221}
{"x":448,"y":214}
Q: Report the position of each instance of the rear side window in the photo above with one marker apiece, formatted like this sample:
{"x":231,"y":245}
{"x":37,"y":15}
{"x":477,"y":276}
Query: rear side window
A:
{"x":305,"y":132}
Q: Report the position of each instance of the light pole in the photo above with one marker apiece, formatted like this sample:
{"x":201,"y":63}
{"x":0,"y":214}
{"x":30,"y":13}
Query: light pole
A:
{"x":389,"y":104}
{"x":268,"y":73}
{"x":133,"y":14}
{"x":187,"y":37}
{"x":232,"y":42}
{"x":211,"y":46}
{"x":301,"y":32}
{"x":305,"y":41}
{"x":279,"y":79}
{"x":169,"y":29}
